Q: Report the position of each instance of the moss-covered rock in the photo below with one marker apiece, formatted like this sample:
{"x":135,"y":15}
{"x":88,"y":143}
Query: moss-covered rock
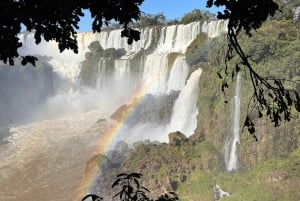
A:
{"x":177,"y":138}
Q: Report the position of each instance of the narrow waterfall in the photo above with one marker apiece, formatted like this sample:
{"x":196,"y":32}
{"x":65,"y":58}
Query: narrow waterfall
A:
{"x":101,"y":80}
{"x":185,"y":111}
{"x":122,"y":70}
{"x":233,"y":136}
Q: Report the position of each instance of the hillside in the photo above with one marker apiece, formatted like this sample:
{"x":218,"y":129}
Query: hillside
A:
{"x":267,"y":169}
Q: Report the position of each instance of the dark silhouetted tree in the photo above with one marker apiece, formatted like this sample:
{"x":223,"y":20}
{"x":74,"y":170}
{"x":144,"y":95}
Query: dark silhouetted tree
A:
{"x":58,"y":20}
{"x":128,"y":188}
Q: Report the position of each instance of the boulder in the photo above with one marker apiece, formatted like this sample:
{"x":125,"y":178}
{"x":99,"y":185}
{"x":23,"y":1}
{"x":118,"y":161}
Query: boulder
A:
{"x":120,"y":113}
{"x":219,"y":193}
{"x":97,"y":163}
{"x":177,"y":138}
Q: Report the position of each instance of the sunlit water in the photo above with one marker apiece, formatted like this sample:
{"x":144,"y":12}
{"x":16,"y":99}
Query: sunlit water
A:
{"x":233,"y":137}
{"x":46,"y":160}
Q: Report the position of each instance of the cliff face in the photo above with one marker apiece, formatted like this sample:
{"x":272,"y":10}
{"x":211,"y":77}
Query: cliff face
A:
{"x":266,"y":169}
{"x":214,"y":120}
{"x":215,"y":106}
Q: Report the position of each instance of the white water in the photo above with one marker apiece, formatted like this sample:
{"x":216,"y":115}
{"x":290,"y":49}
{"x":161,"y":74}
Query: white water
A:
{"x":178,"y":75}
{"x":185,"y":111}
{"x":154,"y":75}
{"x":45,"y":159}
{"x":233,"y":137}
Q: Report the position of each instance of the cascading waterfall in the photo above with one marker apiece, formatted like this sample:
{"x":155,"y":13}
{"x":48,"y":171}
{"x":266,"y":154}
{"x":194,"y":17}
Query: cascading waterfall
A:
{"x":233,"y":136}
{"x":178,"y":75}
{"x":185,"y":110}
{"x":53,"y":150}
{"x":155,"y":78}
{"x":122,"y":69}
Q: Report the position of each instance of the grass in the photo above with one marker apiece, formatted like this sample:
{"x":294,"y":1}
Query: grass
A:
{"x":271,"y":180}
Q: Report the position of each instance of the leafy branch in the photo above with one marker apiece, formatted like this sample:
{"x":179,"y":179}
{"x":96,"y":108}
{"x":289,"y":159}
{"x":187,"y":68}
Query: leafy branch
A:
{"x":129,"y":188}
{"x":270,"y":96}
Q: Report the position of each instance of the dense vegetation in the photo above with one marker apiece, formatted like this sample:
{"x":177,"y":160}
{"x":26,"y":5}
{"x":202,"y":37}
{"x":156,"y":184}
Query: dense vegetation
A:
{"x":268,"y":169}
{"x":271,"y":96}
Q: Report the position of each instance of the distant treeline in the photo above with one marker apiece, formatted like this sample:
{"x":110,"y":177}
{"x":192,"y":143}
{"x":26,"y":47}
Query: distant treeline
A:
{"x":158,"y":19}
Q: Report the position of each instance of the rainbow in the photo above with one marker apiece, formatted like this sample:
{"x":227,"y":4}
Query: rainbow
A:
{"x":107,"y":138}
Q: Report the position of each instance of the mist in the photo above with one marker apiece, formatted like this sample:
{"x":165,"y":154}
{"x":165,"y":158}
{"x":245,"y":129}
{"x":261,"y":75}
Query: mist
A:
{"x":55,"y":115}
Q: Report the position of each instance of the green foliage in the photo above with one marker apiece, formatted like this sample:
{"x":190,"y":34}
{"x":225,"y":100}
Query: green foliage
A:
{"x":197,"y":51}
{"x":151,"y":20}
{"x":173,"y":22}
{"x":271,"y":97}
{"x":271,"y":180}
{"x":247,"y":15}
{"x":273,"y":52}
{"x":217,"y":51}
{"x":199,"y":186}
{"x":196,"y":15}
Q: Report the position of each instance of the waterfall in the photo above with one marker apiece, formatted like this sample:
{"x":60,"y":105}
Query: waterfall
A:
{"x":185,"y":110}
{"x":233,"y":136}
{"x":67,"y":118}
{"x":122,"y":70}
{"x":154,"y":75}
{"x":167,"y":39}
{"x":178,"y":75}
{"x":214,"y":28}
{"x":101,"y":74}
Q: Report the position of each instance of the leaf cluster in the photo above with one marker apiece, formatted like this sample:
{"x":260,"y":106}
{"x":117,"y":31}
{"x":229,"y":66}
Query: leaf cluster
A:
{"x":245,"y":14}
{"x":129,"y":188}
{"x":270,"y":96}
{"x":196,"y":15}
{"x":151,"y":20}
{"x":58,"y":20}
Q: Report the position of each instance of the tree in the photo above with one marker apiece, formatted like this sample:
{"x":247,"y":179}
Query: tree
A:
{"x":58,"y":20}
{"x":196,"y":15}
{"x":151,"y":20}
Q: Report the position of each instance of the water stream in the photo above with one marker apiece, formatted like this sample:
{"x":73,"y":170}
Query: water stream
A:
{"x":233,"y":136}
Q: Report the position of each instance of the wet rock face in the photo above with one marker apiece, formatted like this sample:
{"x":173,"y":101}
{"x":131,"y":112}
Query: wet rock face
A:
{"x":107,"y":166}
{"x":91,"y":66}
{"x":150,"y":109}
{"x":273,"y":142}
{"x":97,"y":163}
{"x":120,"y":113}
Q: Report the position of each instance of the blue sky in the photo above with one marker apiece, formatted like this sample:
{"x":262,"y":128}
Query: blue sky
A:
{"x":172,"y":9}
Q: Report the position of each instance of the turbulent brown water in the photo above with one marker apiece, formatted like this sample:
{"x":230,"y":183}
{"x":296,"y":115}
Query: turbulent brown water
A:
{"x":46,"y":160}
